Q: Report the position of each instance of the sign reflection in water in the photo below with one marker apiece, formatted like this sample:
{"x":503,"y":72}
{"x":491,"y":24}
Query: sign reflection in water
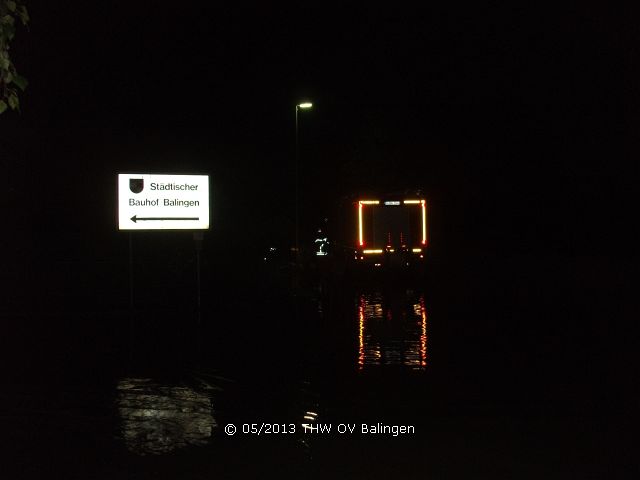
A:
{"x":159,"y":418}
{"x":392,"y":332}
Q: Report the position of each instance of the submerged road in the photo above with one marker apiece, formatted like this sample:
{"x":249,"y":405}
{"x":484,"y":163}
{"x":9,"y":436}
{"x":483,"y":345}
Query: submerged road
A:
{"x":312,"y":384}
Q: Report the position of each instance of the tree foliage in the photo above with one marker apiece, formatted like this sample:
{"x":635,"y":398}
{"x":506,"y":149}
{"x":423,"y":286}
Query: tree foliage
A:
{"x":12,"y":12}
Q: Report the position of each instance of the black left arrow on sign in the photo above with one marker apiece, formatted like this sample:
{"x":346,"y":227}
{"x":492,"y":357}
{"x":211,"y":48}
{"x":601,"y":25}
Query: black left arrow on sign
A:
{"x":135,"y":218}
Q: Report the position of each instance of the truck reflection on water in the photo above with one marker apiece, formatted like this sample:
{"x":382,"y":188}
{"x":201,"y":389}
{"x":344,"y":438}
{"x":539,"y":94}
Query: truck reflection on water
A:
{"x":392,"y":333}
{"x":157,"y":419}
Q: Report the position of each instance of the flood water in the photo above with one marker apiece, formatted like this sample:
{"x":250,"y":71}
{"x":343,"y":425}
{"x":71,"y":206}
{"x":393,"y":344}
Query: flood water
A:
{"x":371,"y":381}
{"x":392,"y":335}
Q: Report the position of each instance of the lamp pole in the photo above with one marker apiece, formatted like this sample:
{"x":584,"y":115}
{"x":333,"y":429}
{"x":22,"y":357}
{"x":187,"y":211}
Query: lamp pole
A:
{"x":304,"y":105}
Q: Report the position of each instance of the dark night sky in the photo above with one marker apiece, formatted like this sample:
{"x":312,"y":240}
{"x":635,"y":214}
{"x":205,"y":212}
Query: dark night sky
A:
{"x":518,"y":124}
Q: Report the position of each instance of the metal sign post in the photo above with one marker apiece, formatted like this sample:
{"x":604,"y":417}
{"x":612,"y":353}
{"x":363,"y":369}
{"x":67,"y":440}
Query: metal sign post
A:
{"x":131,"y":302}
{"x":198,"y":237}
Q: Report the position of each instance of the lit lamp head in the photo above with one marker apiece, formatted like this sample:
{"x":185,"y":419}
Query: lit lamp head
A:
{"x":305,"y":105}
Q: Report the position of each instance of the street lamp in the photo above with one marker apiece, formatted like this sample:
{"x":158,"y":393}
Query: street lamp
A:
{"x":303,"y":106}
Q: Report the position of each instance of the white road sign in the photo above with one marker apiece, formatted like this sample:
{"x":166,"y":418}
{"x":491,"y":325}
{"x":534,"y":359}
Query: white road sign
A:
{"x":163,"y":202}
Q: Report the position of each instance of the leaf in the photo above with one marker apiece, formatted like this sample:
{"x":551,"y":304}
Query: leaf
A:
{"x":3,"y":106}
{"x":20,"y":82}
{"x":8,"y":30}
{"x":11,"y":5}
{"x":23,"y":14}
{"x":14,"y":103}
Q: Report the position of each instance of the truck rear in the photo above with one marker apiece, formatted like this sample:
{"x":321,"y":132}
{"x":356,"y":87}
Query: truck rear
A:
{"x":391,"y":232}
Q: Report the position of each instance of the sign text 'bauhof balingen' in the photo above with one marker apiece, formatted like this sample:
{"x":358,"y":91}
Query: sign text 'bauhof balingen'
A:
{"x":163,"y":202}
